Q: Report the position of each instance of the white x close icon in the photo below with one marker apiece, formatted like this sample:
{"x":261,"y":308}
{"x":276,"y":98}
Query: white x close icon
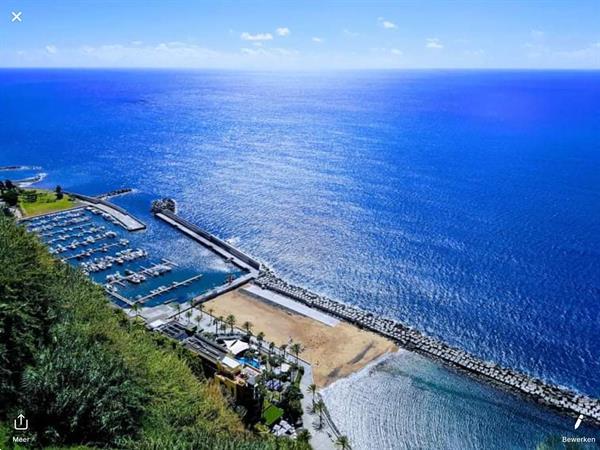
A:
{"x":16,"y":16}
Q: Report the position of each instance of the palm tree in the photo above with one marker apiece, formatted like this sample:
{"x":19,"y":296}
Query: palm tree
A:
{"x":211,"y":311}
{"x":312,"y":389}
{"x":136,"y":309}
{"x":271,"y":347}
{"x":217,"y":320}
{"x":342,"y":443}
{"x":248,"y":327}
{"x":188,"y":315}
{"x":260,"y":337}
{"x":296,"y":348}
{"x":320,"y":408}
{"x":283,"y":348}
{"x":303,"y":436}
{"x":201,"y":309}
{"x":198,"y":320}
{"x":178,"y":308}
{"x":230,"y":320}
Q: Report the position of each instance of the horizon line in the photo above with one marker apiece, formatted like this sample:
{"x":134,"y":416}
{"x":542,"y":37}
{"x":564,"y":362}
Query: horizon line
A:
{"x":305,"y":70}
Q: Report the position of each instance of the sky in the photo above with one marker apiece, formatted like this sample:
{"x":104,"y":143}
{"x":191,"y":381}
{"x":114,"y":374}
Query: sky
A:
{"x":301,"y":35}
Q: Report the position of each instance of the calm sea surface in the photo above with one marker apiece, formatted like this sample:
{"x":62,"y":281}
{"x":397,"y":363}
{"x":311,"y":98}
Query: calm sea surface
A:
{"x":464,"y":203}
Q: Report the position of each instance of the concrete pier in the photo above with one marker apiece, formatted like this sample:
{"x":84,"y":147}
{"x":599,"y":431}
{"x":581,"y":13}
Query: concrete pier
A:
{"x":203,"y":298}
{"x":168,"y":288}
{"x":127,"y":220}
{"x":555,"y":397}
{"x":224,"y":249}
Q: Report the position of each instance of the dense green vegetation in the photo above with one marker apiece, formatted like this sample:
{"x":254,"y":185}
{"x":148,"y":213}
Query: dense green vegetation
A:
{"x":84,"y":374}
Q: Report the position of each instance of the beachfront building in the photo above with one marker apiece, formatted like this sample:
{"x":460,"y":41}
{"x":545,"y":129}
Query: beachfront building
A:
{"x":222,"y":359}
{"x":252,"y":376}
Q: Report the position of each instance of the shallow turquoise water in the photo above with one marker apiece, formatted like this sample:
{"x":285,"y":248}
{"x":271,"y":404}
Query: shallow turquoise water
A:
{"x":408,"y":402}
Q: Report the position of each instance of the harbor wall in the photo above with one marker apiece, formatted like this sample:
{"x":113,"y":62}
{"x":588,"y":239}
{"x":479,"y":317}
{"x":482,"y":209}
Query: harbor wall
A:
{"x":213,"y":239}
{"x":131,"y":223}
{"x":542,"y":392}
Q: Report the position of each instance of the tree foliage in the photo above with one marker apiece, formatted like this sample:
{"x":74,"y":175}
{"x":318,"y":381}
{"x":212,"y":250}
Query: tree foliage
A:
{"x":27,"y":308}
{"x":84,"y":374}
{"x":82,"y":393}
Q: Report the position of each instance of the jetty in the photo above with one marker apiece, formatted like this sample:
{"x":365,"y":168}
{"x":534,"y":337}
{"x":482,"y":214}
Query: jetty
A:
{"x":542,"y":392}
{"x":87,"y":253}
{"x":25,"y":182}
{"x":164,"y":289}
{"x":234,"y":284}
{"x":124,"y":218}
{"x":11,"y":168}
{"x":114,"y":193}
{"x":217,"y":245}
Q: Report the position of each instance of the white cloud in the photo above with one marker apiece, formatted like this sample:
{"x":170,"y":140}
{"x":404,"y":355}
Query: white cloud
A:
{"x":136,"y":42}
{"x":271,"y":53}
{"x":349,"y":33}
{"x":316,"y":39}
{"x":256,"y":37}
{"x":386,"y":23}
{"x":283,"y":31}
{"x":51,"y":49}
{"x":395,"y":51}
{"x":434,"y":43}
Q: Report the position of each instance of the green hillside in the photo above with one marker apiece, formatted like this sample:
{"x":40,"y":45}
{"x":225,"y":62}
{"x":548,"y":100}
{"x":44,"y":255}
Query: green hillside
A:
{"x":83,"y":374}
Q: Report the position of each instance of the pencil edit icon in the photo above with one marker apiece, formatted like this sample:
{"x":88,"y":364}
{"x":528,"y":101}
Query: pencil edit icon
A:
{"x":579,"y":420}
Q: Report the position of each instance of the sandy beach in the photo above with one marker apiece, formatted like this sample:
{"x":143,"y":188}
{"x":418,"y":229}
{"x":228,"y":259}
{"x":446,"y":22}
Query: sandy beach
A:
{"x":334,"y":352}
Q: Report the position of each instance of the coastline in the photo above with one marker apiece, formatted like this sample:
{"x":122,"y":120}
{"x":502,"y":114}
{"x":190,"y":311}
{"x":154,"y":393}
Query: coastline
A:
{"x":365,"y":369}
{"x":334,"y":352}
{"x":533,"y":389}
{"x":530,"y":388}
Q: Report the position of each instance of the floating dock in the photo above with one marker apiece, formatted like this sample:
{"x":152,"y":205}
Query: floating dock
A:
{"x":168,"y":288}
{"x":556,"y":397}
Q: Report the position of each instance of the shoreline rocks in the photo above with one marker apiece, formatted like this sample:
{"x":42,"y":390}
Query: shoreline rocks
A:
{"x":555,"y":397}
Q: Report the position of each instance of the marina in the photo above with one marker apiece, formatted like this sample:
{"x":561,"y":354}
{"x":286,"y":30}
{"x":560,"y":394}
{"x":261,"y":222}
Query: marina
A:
{"x":92,"y":238}
{"x":104,"y":248}
{"x":166,"y":289}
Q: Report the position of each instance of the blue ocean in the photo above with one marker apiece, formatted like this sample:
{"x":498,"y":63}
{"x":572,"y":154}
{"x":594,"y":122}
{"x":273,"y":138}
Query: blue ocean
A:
{"x":464,"y":203}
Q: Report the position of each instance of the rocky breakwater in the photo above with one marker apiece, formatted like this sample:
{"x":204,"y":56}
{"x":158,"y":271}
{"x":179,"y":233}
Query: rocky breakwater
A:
{"x":540,"y":391}
{"x":115,"y":193}
{"x":164,"y":204}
